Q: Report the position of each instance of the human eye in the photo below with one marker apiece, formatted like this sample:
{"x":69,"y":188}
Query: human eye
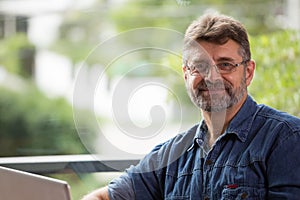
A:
{"x":225,"y":66}
{"x":194,"y":70}
{"x":202,"y":66}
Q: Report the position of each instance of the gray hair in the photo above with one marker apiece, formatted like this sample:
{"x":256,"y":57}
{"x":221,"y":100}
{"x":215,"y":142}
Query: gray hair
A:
{"x":218,"y":29}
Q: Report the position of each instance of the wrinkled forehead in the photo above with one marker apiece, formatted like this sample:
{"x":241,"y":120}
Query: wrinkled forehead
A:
{"x":193,"y":52}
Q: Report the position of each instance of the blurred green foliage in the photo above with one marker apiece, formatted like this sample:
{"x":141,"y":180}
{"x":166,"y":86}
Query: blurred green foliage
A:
{"x":276,"y":82}
{"x":32,"y":124}
{"x":17,"y":55}
{"x":81,"y":32}
{"x":175,"y":14}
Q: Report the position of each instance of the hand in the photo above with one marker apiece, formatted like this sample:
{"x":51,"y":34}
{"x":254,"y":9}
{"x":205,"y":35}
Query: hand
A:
{"x":100,"y":194}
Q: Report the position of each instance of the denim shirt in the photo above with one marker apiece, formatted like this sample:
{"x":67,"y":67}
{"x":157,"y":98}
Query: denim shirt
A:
{"x":257,"y":157}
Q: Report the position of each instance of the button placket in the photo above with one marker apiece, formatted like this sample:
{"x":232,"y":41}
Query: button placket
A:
{"x":208,"y":167}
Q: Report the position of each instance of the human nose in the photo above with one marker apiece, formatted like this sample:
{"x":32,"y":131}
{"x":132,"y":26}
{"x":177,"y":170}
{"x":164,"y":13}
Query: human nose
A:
{"x":213,"y":73}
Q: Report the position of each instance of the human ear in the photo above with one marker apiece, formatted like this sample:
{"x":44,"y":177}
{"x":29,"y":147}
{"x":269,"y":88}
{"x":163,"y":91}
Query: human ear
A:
{"x":250,"y":69}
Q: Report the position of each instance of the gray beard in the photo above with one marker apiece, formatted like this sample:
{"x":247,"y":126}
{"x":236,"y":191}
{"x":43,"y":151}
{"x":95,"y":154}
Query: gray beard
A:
{"x":215,"y":102}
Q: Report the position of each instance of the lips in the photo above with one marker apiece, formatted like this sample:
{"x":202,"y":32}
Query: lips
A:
{"x":213,"y":92}
{"x":211,"y":89}
{"x":218,"y":86}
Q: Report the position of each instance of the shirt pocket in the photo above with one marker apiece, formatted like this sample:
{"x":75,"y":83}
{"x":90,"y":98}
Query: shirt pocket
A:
{"x":239,"y":193}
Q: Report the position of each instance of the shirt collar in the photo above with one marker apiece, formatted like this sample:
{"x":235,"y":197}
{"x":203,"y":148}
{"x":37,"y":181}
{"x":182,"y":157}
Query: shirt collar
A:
{"x":240,"y":124}
{"x":199,"y":135}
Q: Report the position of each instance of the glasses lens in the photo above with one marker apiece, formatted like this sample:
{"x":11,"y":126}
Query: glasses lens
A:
{"x":200,"y":68}
{"x":225,"y":67}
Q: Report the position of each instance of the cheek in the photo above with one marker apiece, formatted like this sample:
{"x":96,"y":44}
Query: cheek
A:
{"x":235,"y":81}
{"x":193,"y":82}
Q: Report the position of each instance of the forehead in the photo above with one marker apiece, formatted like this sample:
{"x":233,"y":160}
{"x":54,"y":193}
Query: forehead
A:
{"x":203,"y":50}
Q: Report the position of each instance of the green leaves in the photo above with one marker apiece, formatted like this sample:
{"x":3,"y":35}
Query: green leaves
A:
{"x":277,"y":77}
{"x":31,"y":124}
{"x":16,"y":55}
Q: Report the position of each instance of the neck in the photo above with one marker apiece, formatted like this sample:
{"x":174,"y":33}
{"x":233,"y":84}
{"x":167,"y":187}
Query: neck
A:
{"x":217,"y":122}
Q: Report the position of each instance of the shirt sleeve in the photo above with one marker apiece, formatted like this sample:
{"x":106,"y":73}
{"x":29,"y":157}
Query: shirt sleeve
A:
{"x":284,"y":170}
{"x":121,"y":188}
{"x":146,"y":180}
{"x":140,"y":181}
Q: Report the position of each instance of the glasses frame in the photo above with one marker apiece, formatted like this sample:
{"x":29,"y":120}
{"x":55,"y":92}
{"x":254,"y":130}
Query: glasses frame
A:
{"x":235,"y":66}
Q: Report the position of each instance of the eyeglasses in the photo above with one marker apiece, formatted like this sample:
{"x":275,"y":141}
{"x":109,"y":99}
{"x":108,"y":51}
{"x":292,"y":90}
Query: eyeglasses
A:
{"x":203,"y":67}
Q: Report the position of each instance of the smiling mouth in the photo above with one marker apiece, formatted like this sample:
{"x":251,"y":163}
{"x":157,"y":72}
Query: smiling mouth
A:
{"x":215,"y":91}
{"x":212,"y":89}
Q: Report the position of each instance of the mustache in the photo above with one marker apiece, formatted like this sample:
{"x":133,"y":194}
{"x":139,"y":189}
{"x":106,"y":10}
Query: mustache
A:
{"x":207,"y":85}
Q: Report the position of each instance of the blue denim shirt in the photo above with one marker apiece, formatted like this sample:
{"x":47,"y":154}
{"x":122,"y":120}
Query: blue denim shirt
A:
{"x":258,"y":157}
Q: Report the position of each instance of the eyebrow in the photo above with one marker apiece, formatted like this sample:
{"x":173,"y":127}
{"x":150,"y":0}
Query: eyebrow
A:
{"x":225,"y":59}
{"x":220,"y":59}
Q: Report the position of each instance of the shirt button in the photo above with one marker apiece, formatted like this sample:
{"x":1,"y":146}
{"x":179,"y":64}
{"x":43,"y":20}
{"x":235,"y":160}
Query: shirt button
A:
{"x":208,"y":162}
{"x":244,"y":195}
{"x":199,"y":142}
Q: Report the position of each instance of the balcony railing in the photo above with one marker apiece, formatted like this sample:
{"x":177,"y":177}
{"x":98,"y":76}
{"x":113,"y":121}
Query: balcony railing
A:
{"x":66,"y":164}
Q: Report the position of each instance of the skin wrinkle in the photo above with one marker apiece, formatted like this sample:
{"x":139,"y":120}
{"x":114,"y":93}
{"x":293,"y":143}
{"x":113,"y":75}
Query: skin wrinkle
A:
{"x":213,"y":103}
{"x":225,"y":102}
{"x":218,"y":106}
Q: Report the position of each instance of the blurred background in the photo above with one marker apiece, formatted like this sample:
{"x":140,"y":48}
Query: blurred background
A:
{"x":45,"y":45}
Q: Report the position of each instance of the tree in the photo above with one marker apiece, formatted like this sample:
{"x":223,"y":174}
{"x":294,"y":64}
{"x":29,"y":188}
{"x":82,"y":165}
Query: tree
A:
{"x":276,"y":82}
{"x":32,"y":124}
{"x":17,"y":55}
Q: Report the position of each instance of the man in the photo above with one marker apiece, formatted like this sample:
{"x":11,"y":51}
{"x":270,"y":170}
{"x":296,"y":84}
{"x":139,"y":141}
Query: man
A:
{"x":240,"y":150}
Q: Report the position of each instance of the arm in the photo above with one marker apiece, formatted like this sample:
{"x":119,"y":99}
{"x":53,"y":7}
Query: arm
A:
{"x":141,"y":177}
{"x":284,"y":170}
{"x":99,"y":194}
{"x":118,"y":188}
